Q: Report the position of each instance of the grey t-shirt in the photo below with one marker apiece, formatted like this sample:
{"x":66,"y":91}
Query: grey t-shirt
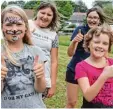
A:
{"x":46,"y":39}
{"x":19,"y":89}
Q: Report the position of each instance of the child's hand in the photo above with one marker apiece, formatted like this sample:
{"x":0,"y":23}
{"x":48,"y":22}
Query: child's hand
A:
{"x":4,"y":70}
{"x":79,"y":37}
{"x":38,"y":68}
{"x":108,"y":71}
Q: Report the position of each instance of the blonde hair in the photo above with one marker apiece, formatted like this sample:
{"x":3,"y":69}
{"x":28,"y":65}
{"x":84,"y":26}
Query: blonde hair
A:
{"x":105,"y":29}
{"x":27,"y":37}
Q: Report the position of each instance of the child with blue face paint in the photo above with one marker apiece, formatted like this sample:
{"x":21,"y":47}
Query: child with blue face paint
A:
{"x":22,"y":74}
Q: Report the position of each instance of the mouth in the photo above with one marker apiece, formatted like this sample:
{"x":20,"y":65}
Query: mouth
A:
{"x":92,"y":23}
{"x":44,"y":20}
{"x":15,"y":38}
{"x":99,"y":50}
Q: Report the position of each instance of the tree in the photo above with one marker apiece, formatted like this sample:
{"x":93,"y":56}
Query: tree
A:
{"x":30,"y":4}
{"x":4,"y":4}
{"x":65,"y":8}
{"x":107,"y":6}
{"x":101,"y":3}
{"x":20,"y":3}
{"x":80,"y":7}
{"x":108,"y":9}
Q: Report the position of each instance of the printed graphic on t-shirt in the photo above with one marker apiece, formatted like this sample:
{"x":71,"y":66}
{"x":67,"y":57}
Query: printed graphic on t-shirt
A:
{"x":105,"y":96}
{"x":19,"y":78}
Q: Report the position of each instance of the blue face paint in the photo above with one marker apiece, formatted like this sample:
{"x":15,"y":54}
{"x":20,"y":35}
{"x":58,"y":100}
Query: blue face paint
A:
{"x":13,"y":20}
{"x":14,"y":33}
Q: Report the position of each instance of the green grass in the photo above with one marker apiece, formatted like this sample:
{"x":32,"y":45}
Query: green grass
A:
{"x":64,"y":40}
{"x":59,"y":99}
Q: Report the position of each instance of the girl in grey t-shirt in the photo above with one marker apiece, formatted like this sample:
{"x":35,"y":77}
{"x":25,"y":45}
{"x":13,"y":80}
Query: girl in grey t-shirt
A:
{"x":22,"y":76}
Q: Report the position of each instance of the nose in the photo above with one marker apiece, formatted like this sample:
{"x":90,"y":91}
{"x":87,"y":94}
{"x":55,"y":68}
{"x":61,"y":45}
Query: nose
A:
{"x":14,"y":27}
{"x":100,"y":45}
{"x":45,"y":16}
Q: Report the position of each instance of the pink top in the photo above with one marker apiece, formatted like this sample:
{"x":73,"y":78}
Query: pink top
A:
{"x":105,"y":96}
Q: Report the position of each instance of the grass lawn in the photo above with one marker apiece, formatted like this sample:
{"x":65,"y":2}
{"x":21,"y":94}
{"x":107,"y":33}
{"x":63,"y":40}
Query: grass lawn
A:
{"x":59,"y":99}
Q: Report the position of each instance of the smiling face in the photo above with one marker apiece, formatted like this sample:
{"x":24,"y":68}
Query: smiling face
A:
{"x":13,"y":27}
{"x":99,"y":45}
{"x":93,"y":19}
{"x":44,"y":17}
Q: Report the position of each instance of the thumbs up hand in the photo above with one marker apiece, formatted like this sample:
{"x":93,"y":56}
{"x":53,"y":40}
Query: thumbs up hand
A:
{"x":4,"y":70}
{"x":79,"y":37}
{"x":38,"y":68}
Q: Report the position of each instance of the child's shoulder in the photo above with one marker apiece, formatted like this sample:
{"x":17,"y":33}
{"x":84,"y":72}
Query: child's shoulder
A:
{"x":35,"y":48}
{"x":110,"y":60}
{"x":37,"y":51}
{"x":83,"y":64}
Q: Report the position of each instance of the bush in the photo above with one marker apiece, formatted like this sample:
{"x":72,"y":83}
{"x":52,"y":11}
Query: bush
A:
{"x":72,"y":26}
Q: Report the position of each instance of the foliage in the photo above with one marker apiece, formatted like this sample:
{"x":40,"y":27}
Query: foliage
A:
{"x":101,"y":3}
{"x":72,"y":26}
{"x":81,"y":7}
{"x":108,"y":9}
{"x":65,"y":8}
{"x":30,"y":4}
{"x":4,"y":4}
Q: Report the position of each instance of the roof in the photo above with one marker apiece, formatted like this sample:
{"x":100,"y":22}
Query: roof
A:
{"x":78,"y":17}
{"x":30,"y":13}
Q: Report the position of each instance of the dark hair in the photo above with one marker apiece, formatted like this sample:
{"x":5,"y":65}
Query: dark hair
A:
{"x":103,"y":17}
{"x":55,"y":21}
{"x":105,"y":29}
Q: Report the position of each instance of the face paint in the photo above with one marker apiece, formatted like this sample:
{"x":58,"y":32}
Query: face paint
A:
{"x":13,"y":20}
{"x":15,"y":33}
{"x":11,"y":32}
{"x":15,"y":38}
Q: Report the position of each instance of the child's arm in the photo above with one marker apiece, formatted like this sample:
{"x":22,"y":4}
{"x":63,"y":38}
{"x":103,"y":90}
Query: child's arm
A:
{"x":40,"y":83}
{"x":90,"y":92}
{"x":74,"y":43}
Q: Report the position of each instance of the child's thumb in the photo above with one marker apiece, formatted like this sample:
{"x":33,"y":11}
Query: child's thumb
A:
{"x":36,"y":60}
{"x":79,"y":31}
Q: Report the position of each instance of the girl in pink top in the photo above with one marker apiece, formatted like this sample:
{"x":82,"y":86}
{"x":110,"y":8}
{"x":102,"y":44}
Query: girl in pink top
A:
{"x":95,"y":74}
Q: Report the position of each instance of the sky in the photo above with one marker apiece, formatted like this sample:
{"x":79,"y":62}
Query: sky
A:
{"x":88,"y":3}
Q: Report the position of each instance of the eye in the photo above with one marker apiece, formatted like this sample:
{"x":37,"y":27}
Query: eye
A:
{"x":106,"y":43}
{"x":42,"y":12}
{"x":9,"y":24}
{"x":49,"y":14}
{"x":19,"y":24}
{"x":96,"y":42}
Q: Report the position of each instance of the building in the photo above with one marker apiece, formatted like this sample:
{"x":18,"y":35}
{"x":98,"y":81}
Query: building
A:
{"x":30,"y":13}
{"x":77,"y":18}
